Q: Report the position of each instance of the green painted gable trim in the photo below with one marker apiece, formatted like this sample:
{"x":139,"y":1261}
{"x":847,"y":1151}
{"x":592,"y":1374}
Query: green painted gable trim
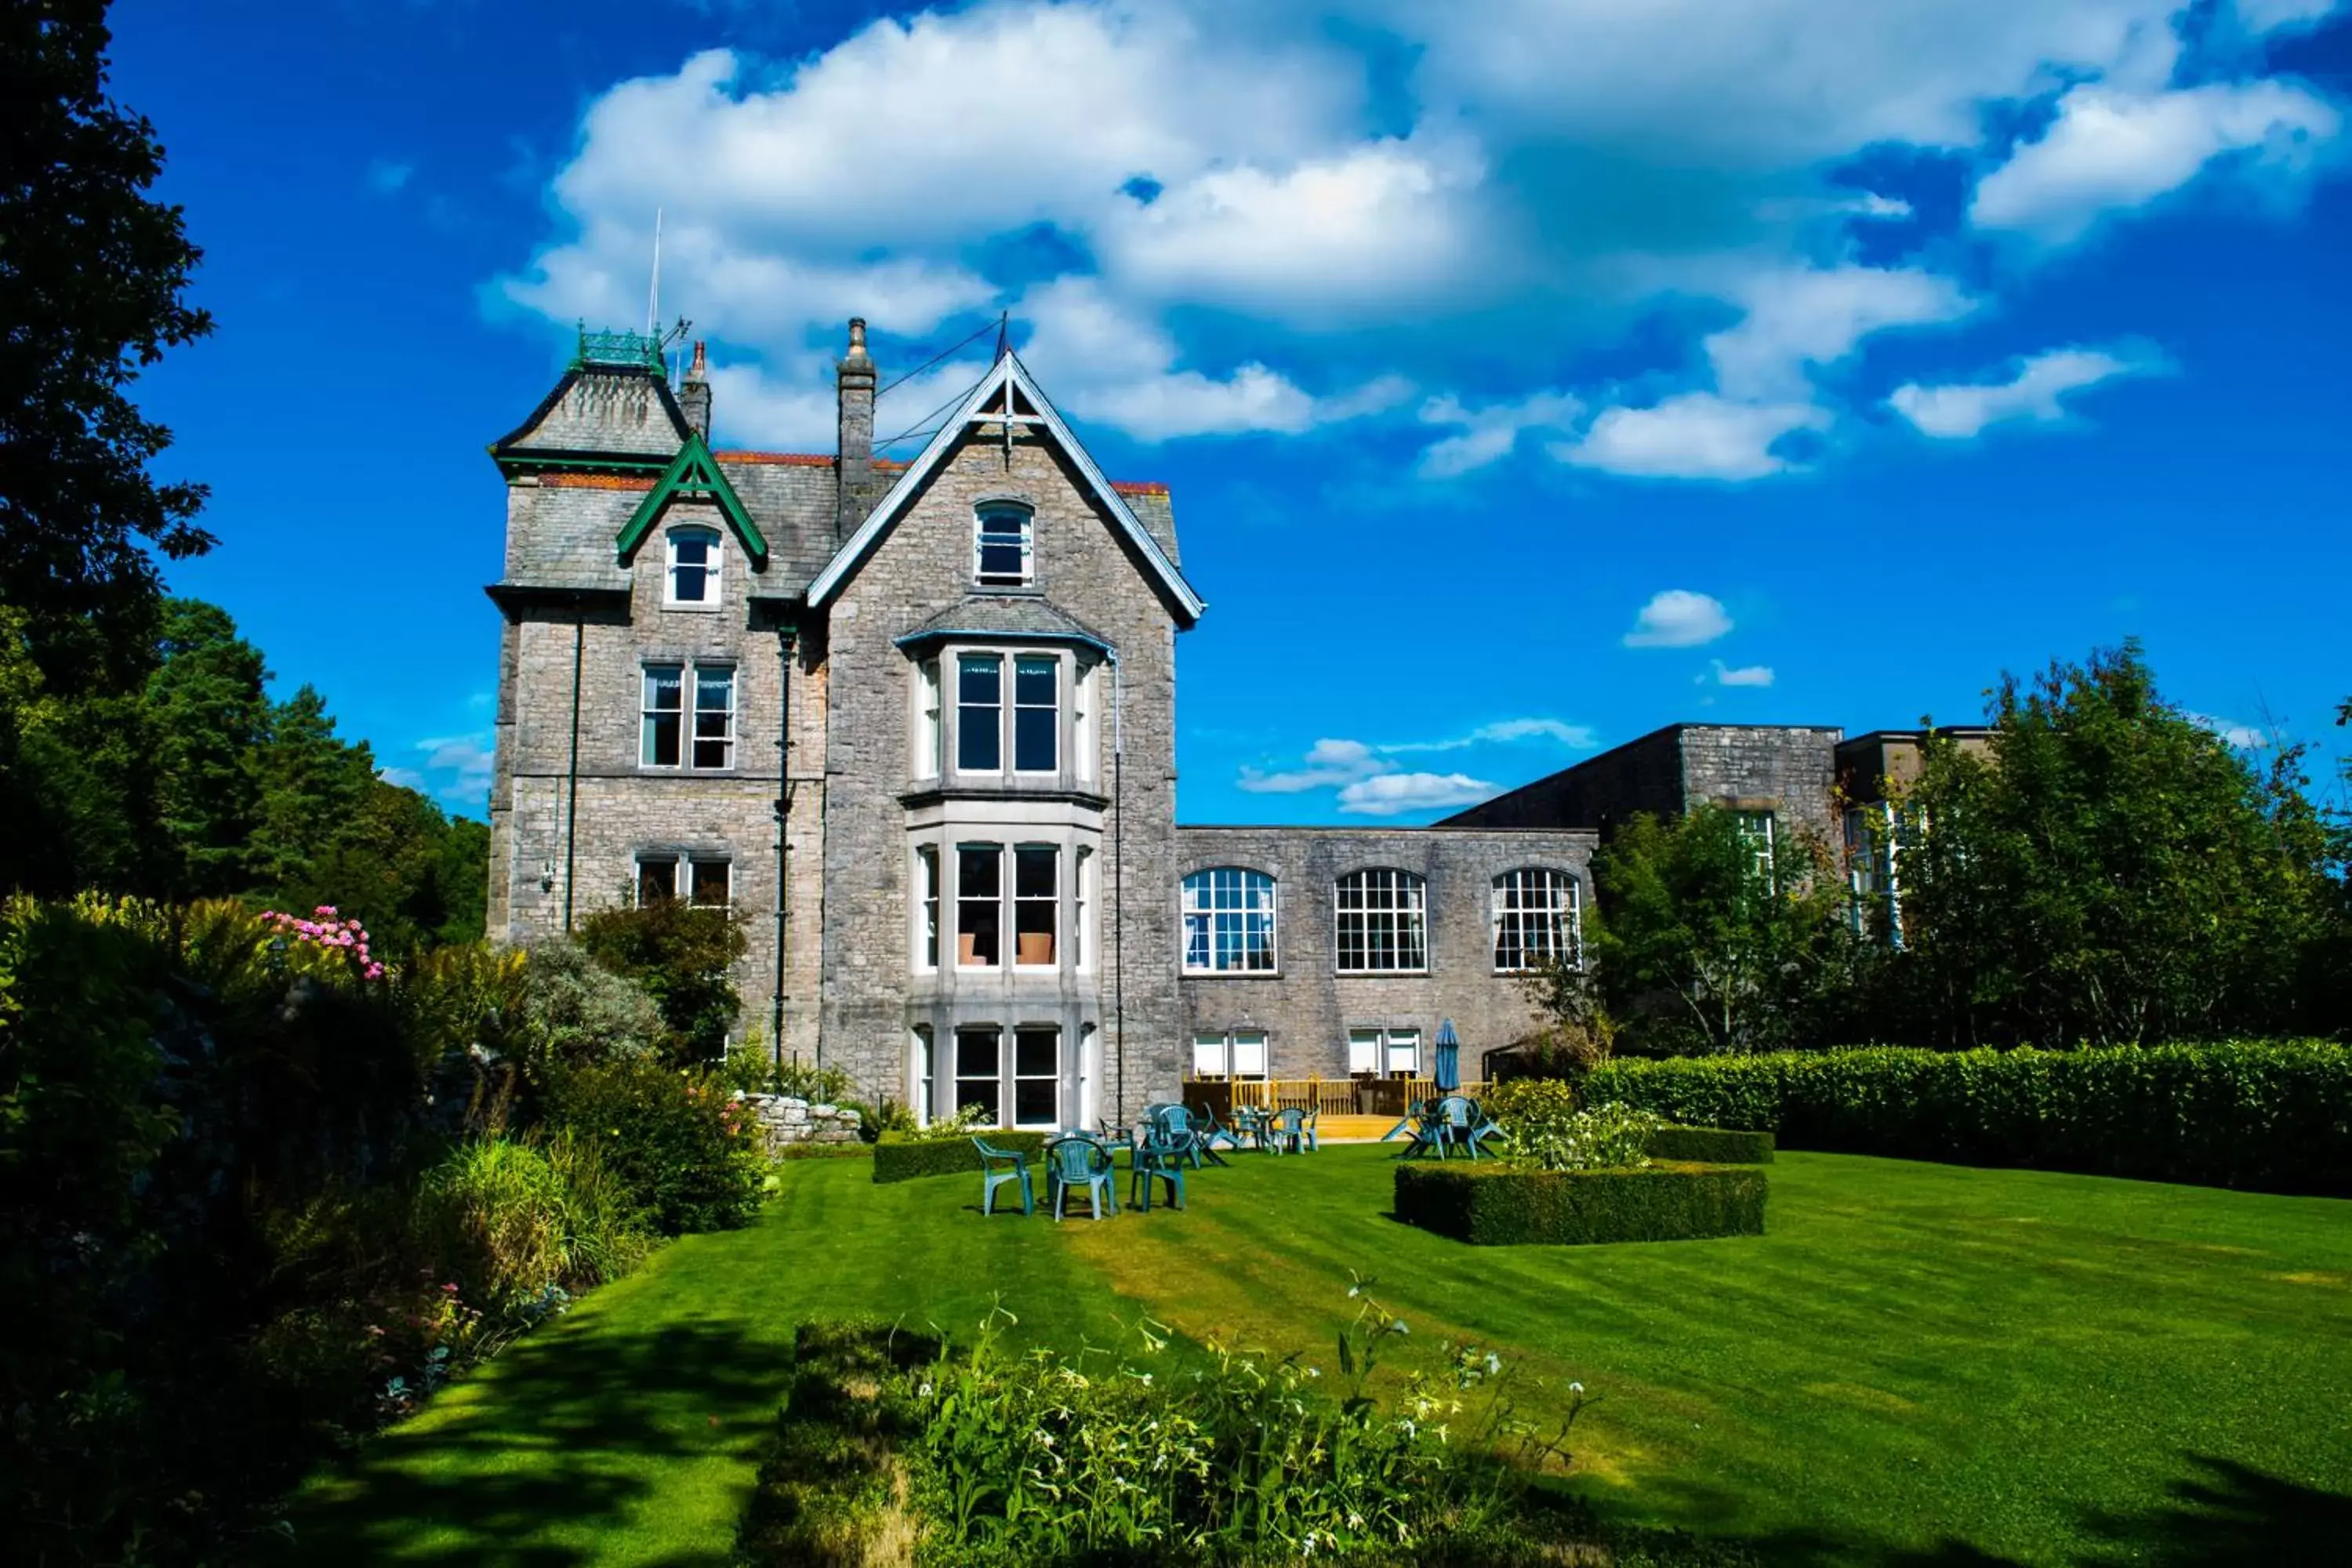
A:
{"x":693,"y":475}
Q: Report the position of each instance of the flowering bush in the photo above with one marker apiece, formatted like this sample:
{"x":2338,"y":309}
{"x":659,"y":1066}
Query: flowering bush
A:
{"x":682,"y":1147}
{"x":1549,"y":1130}
{"x":330,"y":933}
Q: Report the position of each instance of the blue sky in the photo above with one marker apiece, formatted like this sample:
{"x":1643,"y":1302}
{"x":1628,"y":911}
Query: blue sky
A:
{"x":1523,"y":386}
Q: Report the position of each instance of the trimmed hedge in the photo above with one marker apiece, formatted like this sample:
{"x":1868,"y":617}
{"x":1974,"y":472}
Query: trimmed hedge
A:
{"x":1496,"y":1206}
{"x":1711,"y":1146}
{"x":898,"y":1158}
{"x":825,"y":1152}
{"x":2272,"y":1116}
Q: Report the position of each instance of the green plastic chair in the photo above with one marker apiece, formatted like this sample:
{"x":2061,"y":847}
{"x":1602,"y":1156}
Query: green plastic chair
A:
{"x":1455,"y":1116}
{"x":998,"y":1166}
{"x":1287,"y":1133}
{"x":1155,"y":1160}
{"x":1080,"y":1162}
{"x":1307,"y":1125}
{"x":1174,"y":1125}
{"x":1483,"y":1128}
{"x":1213,"y":1132}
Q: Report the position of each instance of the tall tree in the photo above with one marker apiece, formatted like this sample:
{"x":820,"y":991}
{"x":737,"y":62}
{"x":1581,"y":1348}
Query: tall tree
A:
{"x":1699,"y":945}
{"x":91,"y":277}
{"x":310,"y":788}
{"x":209,"y":715}
{"x":2111,"y":871}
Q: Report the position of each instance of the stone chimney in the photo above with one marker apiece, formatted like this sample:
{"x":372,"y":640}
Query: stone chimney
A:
{"x":694,"y":394}
{"x":855,"y":377}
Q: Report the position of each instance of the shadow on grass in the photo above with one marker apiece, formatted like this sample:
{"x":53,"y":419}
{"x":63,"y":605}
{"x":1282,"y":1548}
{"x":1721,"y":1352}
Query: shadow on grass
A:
{"x":562,"y":1450}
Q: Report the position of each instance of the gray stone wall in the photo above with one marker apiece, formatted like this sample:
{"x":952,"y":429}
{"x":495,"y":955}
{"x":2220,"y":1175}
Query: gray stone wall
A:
{"x":786,"y":1121}
{"x":1306,"y":1006}
{"x":921,"y":567}
{"x":1788,"y":770}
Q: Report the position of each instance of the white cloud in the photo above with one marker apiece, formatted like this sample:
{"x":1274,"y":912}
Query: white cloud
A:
{"x":1209,"y":219}
{"x":1745,"y":675}
{"x":1957,"y":411}
{"x":1330,"y":763}
{"x":1489,"y":433}
{"x":1506,"y":731}
{"x":1679,"y":618}
{"x":2110,"y":151}
{"x":1390,"y":794}
{"x":455,"y":769}
{"x":1797,"y":319}
{"x":1694,"y":435}
{"x":2270,"y":16}
{"x":2244,"y":737}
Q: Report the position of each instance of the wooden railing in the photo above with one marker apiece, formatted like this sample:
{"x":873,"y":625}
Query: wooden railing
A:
{"x":1331,"y":1096}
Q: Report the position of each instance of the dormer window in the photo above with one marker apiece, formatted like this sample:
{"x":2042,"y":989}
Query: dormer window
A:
{"x":693,"y":568}
{"x":1001,"y":552}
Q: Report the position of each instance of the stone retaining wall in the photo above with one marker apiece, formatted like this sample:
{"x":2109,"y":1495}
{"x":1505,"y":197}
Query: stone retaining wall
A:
{"x":786,"y":1121}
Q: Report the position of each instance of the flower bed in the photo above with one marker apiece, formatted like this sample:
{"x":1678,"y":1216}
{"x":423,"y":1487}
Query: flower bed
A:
{"x":1711,"y":1146}
{"x":901,"y":1157}
{"x":1491,"y":1205}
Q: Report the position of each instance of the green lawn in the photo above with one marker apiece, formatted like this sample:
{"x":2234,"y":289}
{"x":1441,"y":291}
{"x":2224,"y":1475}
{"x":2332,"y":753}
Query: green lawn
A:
{"x":1967,"y":1365}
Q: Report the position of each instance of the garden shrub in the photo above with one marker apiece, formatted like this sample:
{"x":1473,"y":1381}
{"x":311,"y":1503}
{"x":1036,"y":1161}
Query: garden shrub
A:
{"x":1500,"y":1205}
{"x":685,"y":957}
{"x":684,"y":1150}
{"x":893,"y":1449}
{"x":1550,"y":1131}
{"x":509,"y":1218}
{"x":902,"y":1156}
{"x":2272,"y":1116}
{"x":579,"y":1014}
{"x":1711,"y":1146}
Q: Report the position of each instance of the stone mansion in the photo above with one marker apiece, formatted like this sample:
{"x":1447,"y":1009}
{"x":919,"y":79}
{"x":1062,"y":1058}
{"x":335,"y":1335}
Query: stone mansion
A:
{"x":915,"y":723}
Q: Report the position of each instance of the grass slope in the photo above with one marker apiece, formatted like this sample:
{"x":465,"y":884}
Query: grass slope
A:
{"x":1917,"y":1362}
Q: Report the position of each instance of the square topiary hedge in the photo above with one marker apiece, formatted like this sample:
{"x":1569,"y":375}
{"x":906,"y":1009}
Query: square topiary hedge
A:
{"x":899,"y":1158}
{"x":1496,"y":1206}
{"x":1711,"y":1146}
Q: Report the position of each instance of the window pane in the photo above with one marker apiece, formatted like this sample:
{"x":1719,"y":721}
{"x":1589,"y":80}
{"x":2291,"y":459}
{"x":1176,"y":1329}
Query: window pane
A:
{"x":1037,"y":1053}
{"x":1036,"y":717}
{"x":664,"y":695}
{"x":714,"y":717}
{"x":1036,"y":890}
{"x":1229,"y":920}
{"x":693,"y":549}
{"x":1208,"y":1055}
{"x":689,"y":581}
{"x":1037,"y":1077}
{"x":712,"y":887}
{"x":1379,"y":921}
{"x":1249,"y":1053}
{"x":927,"y":860}
{"x":980,"y":911}
{"x":656,"y":881}
{"x":1363,"y":1050}
{"x":1404,"y":1051}
{"x":978,"y":1065}
{"x":980,"y":689}
{"x":1003,"y":546}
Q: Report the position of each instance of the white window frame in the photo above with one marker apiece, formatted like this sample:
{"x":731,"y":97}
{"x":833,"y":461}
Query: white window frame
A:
{"x":922,"y":1072}
{"x":1083,"y":740}
{"x":713,"y":564}
{"x":649,"y":714}
{"x":995,"y":852}
{"x":995,"y":726}
{"x":1383,"y":1043}
{"x":930,"y":722}
{"x":995,"y":1076}
{"x":725,"y":738}
{"x":687,"y":873}
{"x":1016,"y":707}
{"x":1404,"y":905}
{"x":1082,"y":899}
{"x":930,"y":884}
{"x":1759,"y":831}
{"x":1515,"y":908}
{"x":1051,"y":900}
{"x":1221,"y":900}
{"x":1026,"y":533}
{"x":1017,"y":1078}
{"x":1218,"y":1055}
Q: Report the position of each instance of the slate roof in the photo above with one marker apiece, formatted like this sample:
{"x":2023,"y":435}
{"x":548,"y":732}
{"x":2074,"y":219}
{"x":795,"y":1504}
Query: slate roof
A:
{"x":1005,"y":616}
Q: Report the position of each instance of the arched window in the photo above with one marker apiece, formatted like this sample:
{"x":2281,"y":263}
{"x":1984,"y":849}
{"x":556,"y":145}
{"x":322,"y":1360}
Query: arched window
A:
{"x":1229,"y":922}
{"x":1001,"y":534}
{"x":693,"y":566}
{"x":1539,"y":919}
{"x":1382,"y":918}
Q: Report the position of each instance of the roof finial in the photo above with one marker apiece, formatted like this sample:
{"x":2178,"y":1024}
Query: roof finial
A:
{"x":701,"y":369}
{"x":1003,"y":333}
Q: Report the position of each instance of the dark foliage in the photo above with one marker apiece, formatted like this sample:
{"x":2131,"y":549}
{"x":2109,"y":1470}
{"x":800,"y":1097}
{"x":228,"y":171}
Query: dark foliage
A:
{"x":901,"y":1158}
{"x":91,"y":277}
{"x":1711,"y":1146}
{"x":1498,"y":1206}
{"x":685,"y":957}
{"x":681,"y":1147}
{"x":2264,"y":1115}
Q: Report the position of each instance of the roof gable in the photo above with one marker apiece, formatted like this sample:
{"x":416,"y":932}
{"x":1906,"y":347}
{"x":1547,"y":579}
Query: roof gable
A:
{"x":1006,"y":395}
{"x":693,"y":475}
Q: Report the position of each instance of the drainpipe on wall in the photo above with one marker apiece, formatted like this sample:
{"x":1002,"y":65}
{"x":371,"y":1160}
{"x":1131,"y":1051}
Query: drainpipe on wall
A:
{"x":784,"y":642}
{"x":571,"y":771}
{"x":1119,"y":886}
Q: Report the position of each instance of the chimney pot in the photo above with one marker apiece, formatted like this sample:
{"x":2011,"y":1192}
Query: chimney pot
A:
{"x":693,"y":395}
